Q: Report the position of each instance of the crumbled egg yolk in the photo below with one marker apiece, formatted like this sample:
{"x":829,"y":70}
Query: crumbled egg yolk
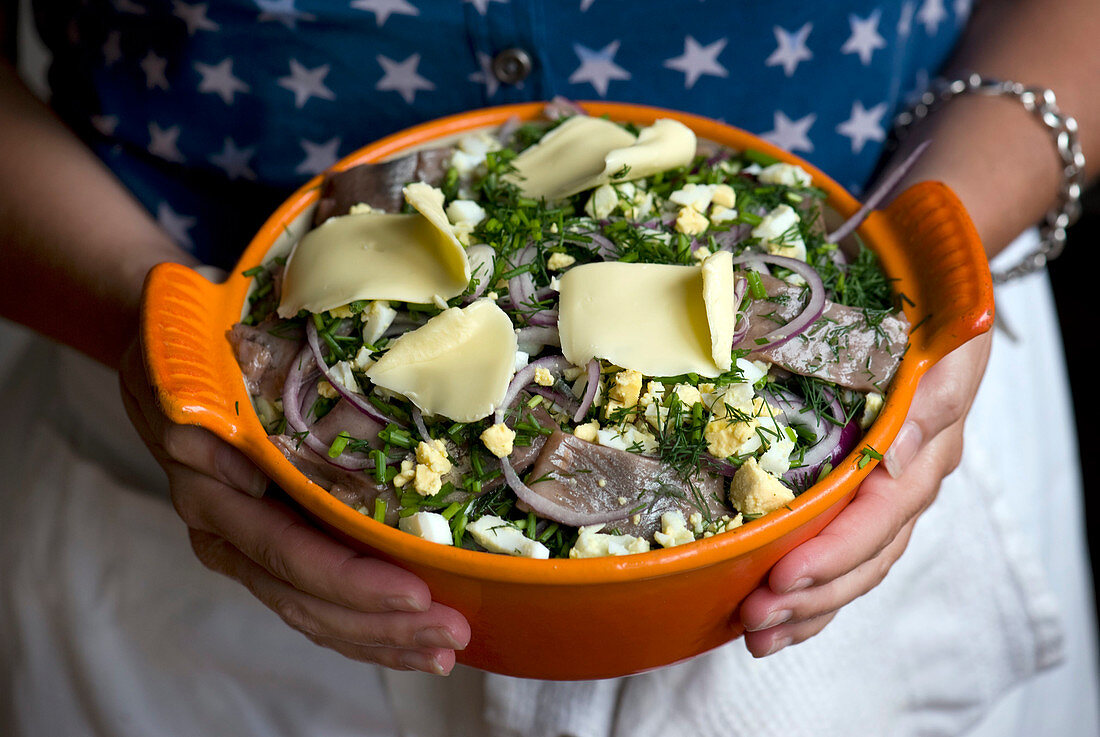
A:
{"x":724,"y":196}
{"x":543,"y":377}
{"x":426,"y":482}
{"x":559,"y":261}
{"x":674,"y":531}
{"x":623,"y":391}
{"x":755,"y":491}
{"x":498,"y":439}
{"x":407,"y":473}
{"x":691,"y":222}
{"x":588,"y":431}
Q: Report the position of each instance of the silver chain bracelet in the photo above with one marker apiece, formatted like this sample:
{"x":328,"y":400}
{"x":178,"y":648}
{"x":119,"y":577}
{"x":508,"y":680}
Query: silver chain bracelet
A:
{"x":1041,"y":103}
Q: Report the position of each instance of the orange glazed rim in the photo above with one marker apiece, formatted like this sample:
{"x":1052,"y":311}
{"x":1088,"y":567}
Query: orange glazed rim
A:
{"x":246,"y":433}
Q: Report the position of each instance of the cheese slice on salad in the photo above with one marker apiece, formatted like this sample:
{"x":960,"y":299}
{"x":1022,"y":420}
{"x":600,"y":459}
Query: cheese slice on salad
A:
{"x":653,"y":318}
{"x":584,"y":152}
{"x":458,"y":364}
{"x":721,"y":311}
{"x":376,"y":255}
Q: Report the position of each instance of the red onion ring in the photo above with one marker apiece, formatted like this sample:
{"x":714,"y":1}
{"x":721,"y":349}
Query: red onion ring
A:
{"x":589,"y":390}
{"x":521,"y":287}
{"x":881,"y":191}
{"x":358,"y":401}
{"x":567,"y":404}
{"x":809,"y":315}
{"x":552,"y":510}
{"x":539,"y":335}
{"x":482,"y":261}
{"x":543,"y":318}
{"x":418,"y":420}
{"x":292,"y":411}
{"x":525,"y":376}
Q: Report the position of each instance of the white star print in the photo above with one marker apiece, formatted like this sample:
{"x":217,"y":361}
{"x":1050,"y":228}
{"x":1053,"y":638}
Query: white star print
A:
{"x":962,"y":11}
{"x":791,"y":49}
{"x":174,"y":224}
{"x":154,"y":67}
{"x":220,"y":79}
{"x":194,"y":16}
{"x":162,"y":142}
{"x":402,"y":77}
{"x":319,"y":156}
{"x":483,"y":5}
{"x":598,"y":68}
{"x":485,"y":76}
{"x":383,"y":9}
{"x":306,"y":83}
{"x":931,"y":14}
{"x":234,"y":161}
{"x":282,"y":11}
{"x":865,"y":37}
{"x":112,"y":48}
{"x":863,"y":125}
{"x":105,"y":124}
{"x":791,"y":135}
{"x":698,"y":60}
{"x":905,"y":22}
{"x":586,"y":4}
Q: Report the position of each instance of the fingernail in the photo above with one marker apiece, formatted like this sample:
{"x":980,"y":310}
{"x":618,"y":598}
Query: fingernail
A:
{"x":802,"y":583}
{"x":437,"y":637}
{"x":239,"y":471}
{"x":777,"y":644}
{"x":903,"y":448}
{"x":422,"y":662}
{"x":403,"y":604}
{"x":777,"y":617}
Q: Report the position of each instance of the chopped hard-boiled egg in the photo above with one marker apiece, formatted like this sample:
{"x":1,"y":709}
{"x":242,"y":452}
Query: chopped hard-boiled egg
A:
{"x":499,"y":536}
{"x":431,"y":526}
{"x":754,"y":491}
{"x":591,"y":543}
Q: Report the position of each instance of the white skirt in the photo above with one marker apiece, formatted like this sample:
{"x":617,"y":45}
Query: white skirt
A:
{"x":110,"y":626}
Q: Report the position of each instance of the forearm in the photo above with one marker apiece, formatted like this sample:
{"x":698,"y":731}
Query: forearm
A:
{"x":1000,"y":160}
{"x":76,"y":245}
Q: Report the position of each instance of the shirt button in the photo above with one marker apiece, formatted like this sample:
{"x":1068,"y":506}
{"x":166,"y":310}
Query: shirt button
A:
{"x":511,"y":66}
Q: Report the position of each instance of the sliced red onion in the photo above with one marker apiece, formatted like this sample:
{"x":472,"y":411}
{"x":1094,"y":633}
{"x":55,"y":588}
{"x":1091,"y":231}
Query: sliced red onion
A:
{"x":296,"y":378}
{"x":552,"y":510}
{"x":543,"y":318}
{"x":418,"y":420}
{"x":605,"y":247}
{"x":881,"y":191}
{"x":591,"y":385}
{"x":482,"y":260}
{"x":357,"y":400}
{"x":741,"y":318}
{"x":815,"y":305}
{"x":833,"y":441}
{"x":508,"y":129}
{"x":727,"y":239}
{"x":525,"y":376}
{"x":521,"y":287}
{"x":539,"y":335}
{"x":561,"y":107}
{"x":566,"y":404}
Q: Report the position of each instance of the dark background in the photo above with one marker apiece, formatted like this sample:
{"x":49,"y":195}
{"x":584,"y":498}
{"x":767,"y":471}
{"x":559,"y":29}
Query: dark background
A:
{"x":1076,"y":289}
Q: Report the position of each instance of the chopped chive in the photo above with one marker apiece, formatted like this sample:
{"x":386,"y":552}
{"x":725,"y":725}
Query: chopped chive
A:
{"x":379,"y":509}
{"x":534,"y":401}
{"x":338,"y":444}
{"x":756,"y":286}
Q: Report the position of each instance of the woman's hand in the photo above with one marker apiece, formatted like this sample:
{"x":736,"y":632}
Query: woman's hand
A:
{"x":854,"y":552}
{"x":360,"y":607}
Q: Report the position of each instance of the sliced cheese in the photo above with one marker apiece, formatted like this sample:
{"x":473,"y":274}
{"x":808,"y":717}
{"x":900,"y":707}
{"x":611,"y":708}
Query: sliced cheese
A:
{"x":378,"y":256}
{"x":583,"y":153}
{"x":458,"y":364}
{"x":648,"y":317}
{"x":721,"y":311}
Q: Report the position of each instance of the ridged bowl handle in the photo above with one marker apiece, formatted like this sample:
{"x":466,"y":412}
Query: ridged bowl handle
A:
{"x":187,"y":356}
{"x":946,"y":266}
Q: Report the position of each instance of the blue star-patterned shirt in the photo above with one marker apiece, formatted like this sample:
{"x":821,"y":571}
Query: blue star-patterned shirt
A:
{"x":212,"y":112}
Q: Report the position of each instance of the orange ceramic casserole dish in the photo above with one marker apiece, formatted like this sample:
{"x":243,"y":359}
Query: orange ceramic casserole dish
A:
{"x":592,"y":618}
